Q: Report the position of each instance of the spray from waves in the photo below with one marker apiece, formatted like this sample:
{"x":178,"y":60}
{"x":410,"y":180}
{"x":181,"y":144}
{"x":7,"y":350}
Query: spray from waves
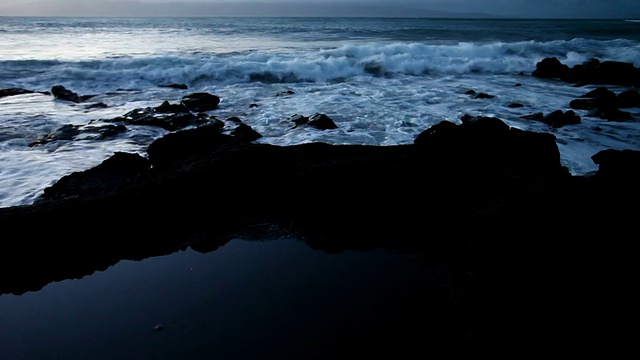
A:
{"x":325,"y":65}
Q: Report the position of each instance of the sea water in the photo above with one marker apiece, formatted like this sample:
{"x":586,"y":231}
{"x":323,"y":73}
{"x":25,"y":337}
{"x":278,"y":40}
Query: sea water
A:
{"x":381,"y":80}
{"x":275,"y":299}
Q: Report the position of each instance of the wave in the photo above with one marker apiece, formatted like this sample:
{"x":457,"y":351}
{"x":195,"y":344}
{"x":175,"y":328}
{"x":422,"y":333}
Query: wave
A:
{"x":325,"y":65}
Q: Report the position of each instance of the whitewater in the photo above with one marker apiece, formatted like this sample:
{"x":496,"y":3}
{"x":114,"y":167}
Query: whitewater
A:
{"x":382,"y":81}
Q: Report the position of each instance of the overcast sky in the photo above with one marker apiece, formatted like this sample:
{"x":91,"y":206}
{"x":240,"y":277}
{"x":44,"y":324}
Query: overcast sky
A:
{"x":495,"y":8}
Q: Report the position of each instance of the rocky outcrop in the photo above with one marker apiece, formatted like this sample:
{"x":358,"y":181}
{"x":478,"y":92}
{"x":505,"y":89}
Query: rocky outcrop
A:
{"x":605,"y":104}
{"x":317,"y":120}
{"x":543,"y":260}
{"x":62,"y":93}
{"x":480,"y":178}
{"x":555,"y":119}
{"x":91,"y":131}
{"x":14,"y":91}
{"x":594,"y":72}
{"x":200,"y":101}
{"x":167,"y":116}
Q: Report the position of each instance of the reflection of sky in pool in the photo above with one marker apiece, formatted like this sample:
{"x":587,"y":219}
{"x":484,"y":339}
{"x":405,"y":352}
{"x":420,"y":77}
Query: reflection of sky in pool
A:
{"x":246,"y":300}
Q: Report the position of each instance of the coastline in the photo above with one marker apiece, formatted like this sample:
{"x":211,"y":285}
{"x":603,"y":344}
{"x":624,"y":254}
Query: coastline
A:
{"x":520,"y":230}
{"x":549,"y":252}
{"x":482,"y":173}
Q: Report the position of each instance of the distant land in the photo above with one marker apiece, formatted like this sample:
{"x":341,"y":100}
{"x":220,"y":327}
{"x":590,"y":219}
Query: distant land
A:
{"x":190,"y":9}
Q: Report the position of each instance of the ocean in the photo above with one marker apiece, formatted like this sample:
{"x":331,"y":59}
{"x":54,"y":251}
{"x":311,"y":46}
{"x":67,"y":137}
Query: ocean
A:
{"x":382,"y":81}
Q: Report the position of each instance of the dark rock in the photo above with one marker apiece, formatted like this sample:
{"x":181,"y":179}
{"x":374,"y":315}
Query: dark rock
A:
{"x":100,"y":131}
{"x":603,"y":103}
{"x":167,"y":116}
{"x":175,"y":86}
{"x":611,"y":73}
{"x":600,"y":92}
{"x":618,"y":165}
{"x":552,"y":68}
{"x":298,"y":120}
{"x":98,"y":105}
{"x":584,"y":104}
{"x":478,"y":144}
{"x":483,"y":96}
{"x":166,"y":108}
{"x":373,"y":68}
{"x":233,"y":120}
{"x":245,"y":133}
{"x":100,"y":181}
{"x":62,"y":93}
{"x":589,"y":72}
{"x":92,"y":131}
{"x":558,"y":118}
{"x":612,"y":114}
{"x":66,"y":132}
{"x":200,"y":101}
{"x":186,"y":143}
{"x":537,"y":252}
{"x":14,"y":91}
{"x":555,"y":119}
{"x":284,"y":93}
{"x":318,"y":121}
{"x":628,"y":99}
{"x":322,"y":122}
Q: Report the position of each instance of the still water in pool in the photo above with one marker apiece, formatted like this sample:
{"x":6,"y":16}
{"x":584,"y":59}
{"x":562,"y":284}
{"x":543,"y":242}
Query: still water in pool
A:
{"x":277,"y":299}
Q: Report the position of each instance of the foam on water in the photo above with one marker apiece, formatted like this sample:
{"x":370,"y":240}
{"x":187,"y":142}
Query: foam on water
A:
{"x":108,"y":73}
{"x":382,"y":81}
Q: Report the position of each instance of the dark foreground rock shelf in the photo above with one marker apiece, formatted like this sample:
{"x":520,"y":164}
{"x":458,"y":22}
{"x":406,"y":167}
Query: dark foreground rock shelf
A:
{"x":544,"y":260}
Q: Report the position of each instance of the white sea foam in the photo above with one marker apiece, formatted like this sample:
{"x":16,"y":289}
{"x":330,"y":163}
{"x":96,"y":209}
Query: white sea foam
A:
{"x":381,"y":86}
{"x":324,"y":65}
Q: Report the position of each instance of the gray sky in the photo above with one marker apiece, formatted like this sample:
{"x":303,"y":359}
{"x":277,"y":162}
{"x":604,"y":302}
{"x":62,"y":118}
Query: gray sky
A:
{"x":494,"y":8}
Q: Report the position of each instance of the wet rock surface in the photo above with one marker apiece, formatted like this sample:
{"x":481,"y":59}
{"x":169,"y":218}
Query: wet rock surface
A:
{"x":544,"y":258}
{"x":528,"y":261}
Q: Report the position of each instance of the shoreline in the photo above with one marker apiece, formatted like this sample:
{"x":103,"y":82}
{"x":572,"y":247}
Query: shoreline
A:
{"x":550,"y":252}
{"x":554,"y":244}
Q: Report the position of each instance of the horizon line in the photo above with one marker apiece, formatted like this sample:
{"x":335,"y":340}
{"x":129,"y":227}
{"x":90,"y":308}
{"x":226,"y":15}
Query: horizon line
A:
{"x":469,"y":17}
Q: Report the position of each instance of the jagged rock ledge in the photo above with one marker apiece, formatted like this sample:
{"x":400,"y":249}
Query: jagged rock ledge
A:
{"x":542,"y":262}
{"x":538,"y":248}
{"x":475,"y":182}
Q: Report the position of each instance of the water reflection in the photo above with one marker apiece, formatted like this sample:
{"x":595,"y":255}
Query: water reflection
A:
{"x":276,"y":299}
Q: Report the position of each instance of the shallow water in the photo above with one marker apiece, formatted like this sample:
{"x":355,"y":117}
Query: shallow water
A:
{"x":275,"y":299}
